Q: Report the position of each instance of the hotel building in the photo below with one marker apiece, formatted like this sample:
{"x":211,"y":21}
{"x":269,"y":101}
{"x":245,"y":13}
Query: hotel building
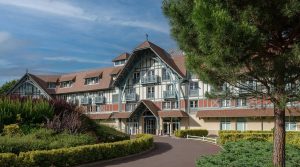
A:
{"x":151,"y":91}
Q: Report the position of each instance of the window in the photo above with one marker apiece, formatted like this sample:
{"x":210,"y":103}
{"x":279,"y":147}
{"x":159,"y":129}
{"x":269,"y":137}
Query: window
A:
{"x":150,"y":73}
{"x":136,"y":77}
{"x":170,"y":105}
{"x":130,"y":106}
{"x":115,"y":98}
{"x":150,"y":92}
{"x":194,"y":88}
{"x":169,"y":87}
{"x":241,"y":124}
{"x":165,"y":74}
{"x":241,"y":102}
{"x":290,"y":124}
{"x":194,"y":104}
{"x":91,"y":81}
{"x":225,"y":103}
{"x":51,"y":85}
{"x":66,"y":84}
{"x":120,"y":62}
{"x":225,"y":124}
{"x":98,"y":108}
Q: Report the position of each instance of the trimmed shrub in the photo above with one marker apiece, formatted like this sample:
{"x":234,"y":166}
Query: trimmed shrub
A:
{"x":193,"y":132}
{"x":43,"y":139}
{"x":248,"y":153}
{"x":108,"y":134}
{"x":12,"y":130}
{"x":8,"y":160}
{"x":81,"y":154}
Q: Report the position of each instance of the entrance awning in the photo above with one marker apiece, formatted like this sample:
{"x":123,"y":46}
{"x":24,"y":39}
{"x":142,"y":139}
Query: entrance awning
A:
{"x":243,"y":113}
{"x":120,"y":115}
{"x":146,"y":104}
{"x":99,"y":116}
{"x":173,"y":113}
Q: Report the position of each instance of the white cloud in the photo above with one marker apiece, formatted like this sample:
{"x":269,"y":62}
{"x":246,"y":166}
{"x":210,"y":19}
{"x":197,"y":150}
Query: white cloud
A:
{"x":9,"y":44}
{"x":65,"y":9}
{"x":75,"y":59}
{"x":4,"y":36}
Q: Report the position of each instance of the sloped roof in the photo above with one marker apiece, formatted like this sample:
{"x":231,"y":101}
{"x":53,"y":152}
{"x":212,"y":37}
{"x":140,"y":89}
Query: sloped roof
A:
{"x":42,"y":81}
{"x":120,"y":115}
{"x":149,"y":105}
{"x":173,"y":113}
{"x":100,"y":116}
{"x":269,"y":112}
{"x":123,"y":56}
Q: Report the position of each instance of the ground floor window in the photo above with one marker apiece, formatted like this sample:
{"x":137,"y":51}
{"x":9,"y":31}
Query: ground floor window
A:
{"x":170,"y":125}
{"x":290,"y":124}
{"x":241,"y":124}
{"x":225,"y":124}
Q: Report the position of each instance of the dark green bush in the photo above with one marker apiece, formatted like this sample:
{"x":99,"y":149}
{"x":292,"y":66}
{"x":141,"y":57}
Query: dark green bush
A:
{"x":43,"y":139}
{"x":108,"y":134}
{"x":248,"y":153}
{"x":193,"y":132}
{"x":77,"y":155}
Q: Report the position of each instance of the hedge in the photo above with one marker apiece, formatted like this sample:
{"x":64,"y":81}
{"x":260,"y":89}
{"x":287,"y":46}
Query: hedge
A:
{"x":193,"y":132}
{"x":77,"y":155}
{"x":229,"y":136}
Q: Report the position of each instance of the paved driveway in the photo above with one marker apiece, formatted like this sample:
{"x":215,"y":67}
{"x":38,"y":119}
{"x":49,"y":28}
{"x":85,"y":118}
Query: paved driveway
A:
{"x":168,"y":152}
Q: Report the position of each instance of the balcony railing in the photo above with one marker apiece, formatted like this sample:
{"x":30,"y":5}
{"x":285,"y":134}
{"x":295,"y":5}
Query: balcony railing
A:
{"x":194,"y":92}
{"x":85,"y":100}
{"x":99,"y":99}
{"x":150,"y":95}
{"x":169,"y":94}
{"x":149,"y":79}
{"x":130,"y":97}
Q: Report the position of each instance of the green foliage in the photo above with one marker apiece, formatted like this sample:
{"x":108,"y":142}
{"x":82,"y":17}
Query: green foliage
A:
{"x":292,"y":138}
{"x":108,"y":134}
{"x":248,"y":153}
{"x":193,"y":132}
{"x":24,"y":110}
{"x":12,"y":130}
{"x":78,"y":155}
{"x":7,"y":86}
{"x":42,"y":139}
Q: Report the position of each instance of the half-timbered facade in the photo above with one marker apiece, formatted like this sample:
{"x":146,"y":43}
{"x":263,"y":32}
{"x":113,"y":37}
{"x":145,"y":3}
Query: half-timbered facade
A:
{"x":150,"y":91}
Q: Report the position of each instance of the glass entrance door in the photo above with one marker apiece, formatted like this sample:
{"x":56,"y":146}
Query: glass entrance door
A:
{"x":150,"y":125}
{"x":166,"y":128}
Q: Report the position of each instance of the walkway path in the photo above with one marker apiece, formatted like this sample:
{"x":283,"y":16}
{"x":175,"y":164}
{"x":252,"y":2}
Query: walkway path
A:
{"x":168,"y":152}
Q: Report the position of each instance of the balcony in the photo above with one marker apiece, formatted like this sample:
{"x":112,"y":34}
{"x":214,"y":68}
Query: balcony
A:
{"x":194,"y":92}
{"x":99,"y":99}
{"x":85,"y":100}
{"x":149,"y":79}
{"x":169,"y":94}
{"x":130,"y":96}
{"x":150,"y":95}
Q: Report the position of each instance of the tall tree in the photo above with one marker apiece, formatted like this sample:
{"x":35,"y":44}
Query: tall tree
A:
{"x":7,"y":86}
{"x":233,"y":42}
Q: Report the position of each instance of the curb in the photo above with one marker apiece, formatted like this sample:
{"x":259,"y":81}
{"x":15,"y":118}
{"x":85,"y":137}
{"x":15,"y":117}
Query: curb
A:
{"x":118,"y":158}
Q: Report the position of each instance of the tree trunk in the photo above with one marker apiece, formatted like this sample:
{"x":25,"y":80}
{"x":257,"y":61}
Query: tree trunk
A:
{"x":279,"y":137}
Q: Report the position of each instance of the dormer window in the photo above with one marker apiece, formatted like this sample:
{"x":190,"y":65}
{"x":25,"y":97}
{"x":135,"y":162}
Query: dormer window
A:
{"x":51,"y":85}
{"x":66,"y":84}
{"x":91,"y":81}
{"x":121,"y":59}
{"x":120,"y":62}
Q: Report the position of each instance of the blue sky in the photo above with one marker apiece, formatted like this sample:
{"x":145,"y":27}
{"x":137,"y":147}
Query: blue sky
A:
{"x":60,"y":36}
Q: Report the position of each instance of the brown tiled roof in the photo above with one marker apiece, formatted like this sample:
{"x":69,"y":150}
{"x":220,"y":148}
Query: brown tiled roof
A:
{"x":78,"y":86}
{"x":94,"y":74}
{"x":116,"y":70}
{"x":120,"y":115}
{"x":162,"y":54}
{"x":149,"y":105}
{"x":100,"y":116}
{"x":180,"y":63}
{"x":172,"y":113}
{"x":123,"y":56}
{"x":67,"y":77}
{"x":243,"y":113}
{"x":42,"y":81}
{"x":48,"y":78}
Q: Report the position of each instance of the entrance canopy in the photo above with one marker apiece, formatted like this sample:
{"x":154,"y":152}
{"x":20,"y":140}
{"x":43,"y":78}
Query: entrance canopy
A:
{"x":144,"y":105}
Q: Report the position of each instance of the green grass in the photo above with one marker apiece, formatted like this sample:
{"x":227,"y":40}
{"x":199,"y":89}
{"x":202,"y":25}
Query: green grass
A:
{"x":248,"y":153}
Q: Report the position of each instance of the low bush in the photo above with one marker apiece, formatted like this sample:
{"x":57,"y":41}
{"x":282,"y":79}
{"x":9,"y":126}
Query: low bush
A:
{"x":292,"y":138}
{"x":12,"y":130}
{"x":108,"y":134}
{"x":248,"y":153}
{"x":193,"y":132}
{"x":78,"y":155}
{"x":43,"y":139}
